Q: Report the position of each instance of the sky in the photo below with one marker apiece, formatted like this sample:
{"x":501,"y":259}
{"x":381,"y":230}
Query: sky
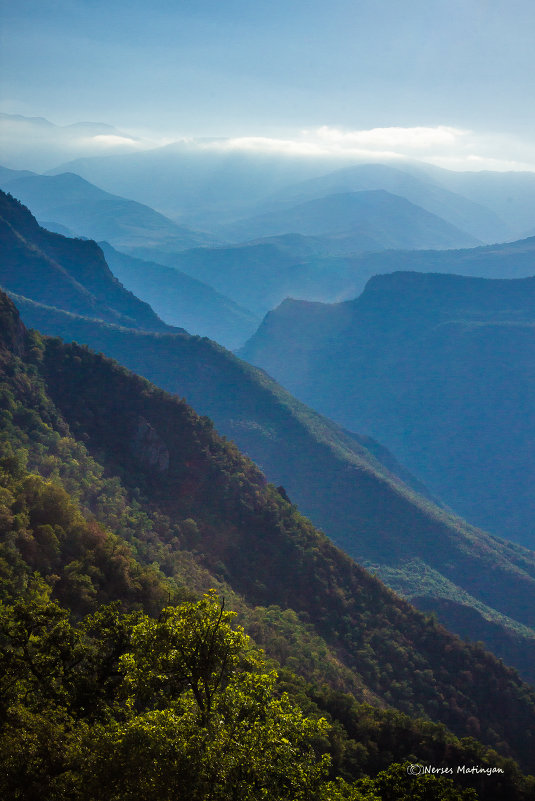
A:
{"x":448,"y":80}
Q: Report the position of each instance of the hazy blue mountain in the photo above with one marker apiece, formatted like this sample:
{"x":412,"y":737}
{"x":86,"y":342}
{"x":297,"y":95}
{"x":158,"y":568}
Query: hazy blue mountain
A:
{"x":504,"y":260}
{"x":198,"y":183}
{"x":35,"y":143}
{"x":336,"y":278}
{"x":69,"y":274}
{"x":511,"y":195}
{"x":183,"y":301}
{"x":356,"y":221}
{"x":421,"y":190}
{"x":256,"y":275}
{"x":437,"y":367}
{"x":91,"y":212}
{"x":261,"y":274}
{"x":348,"y":484}
{"x":203,"y":186}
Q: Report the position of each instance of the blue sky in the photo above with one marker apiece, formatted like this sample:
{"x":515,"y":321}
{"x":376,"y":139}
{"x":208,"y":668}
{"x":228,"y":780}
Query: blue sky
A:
{"x":244,"y":68}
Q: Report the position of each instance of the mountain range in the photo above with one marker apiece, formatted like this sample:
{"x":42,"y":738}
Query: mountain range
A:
{"x":90,"y":212}
{"x":260,"y":275}
{"x":417,"y":187}
{"x":204,"y":183}
{"x":58,"y":270}
{"x":184,"y":301}
{"x":176,"y":295}
{"x":348,"y":484}
{"x":134,"y":459}
{"x":349,"y":222}
{"x":439,"y":368}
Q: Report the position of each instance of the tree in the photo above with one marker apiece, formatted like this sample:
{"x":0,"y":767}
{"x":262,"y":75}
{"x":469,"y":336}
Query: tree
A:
{"x":205,"y":720}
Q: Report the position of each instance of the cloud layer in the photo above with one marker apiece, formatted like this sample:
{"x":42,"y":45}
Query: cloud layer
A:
{"x":35,"y":143}
{"x":443,"y":145}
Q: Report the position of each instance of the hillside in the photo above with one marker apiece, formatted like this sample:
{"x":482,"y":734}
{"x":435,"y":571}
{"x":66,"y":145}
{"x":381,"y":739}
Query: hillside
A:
{"x":420,"y":189}
{"x":183,"y":301}
{"x":261,"y":274}
{"x":69,"y":274}
{"x":357,"y":221}
{"x":257,"y":275}
{"x":91,"y":212}
{"x":439,"y":369}
{"x":187,"y":499}
{"x":347,"y":484}
{"x":510,"y":195}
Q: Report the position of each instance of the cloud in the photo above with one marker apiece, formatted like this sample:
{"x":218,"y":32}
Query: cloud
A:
{"x":38,"y":144}
{"x":399,"y":139}
{"x":443,"y":145}
{"x":111,"y":140}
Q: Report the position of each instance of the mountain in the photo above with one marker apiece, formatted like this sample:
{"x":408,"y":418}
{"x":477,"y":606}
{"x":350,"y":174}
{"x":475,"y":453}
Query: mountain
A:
{"x":198,"y":182}
{"x":261,"y":274}
{"x":183,"y":301}
{"x":439,"y":369}
{"x":510,"y":195}
{"x":347,"y":484}
{"x":356,"y":221}
{"x":35,"y":143}
{"x":74,"y":275}
{"x":206,"y":183}
{"x":350,"y":274}
{"x":87,"y":210}
{"x":71,"y":274}
{"x":422,"y":190}
{"x":108,"y":449}
{"x":257,"y":275}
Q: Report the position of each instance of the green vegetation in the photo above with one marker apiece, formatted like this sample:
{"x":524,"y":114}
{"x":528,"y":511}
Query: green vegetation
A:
{"x":146,"y":510}
{"x":182,"y":707}
{"x":347,"y":484}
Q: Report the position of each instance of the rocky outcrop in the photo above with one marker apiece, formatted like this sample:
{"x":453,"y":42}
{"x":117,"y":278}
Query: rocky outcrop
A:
{"x":148,"y":447}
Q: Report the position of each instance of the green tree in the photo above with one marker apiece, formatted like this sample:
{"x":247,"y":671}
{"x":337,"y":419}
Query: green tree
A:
{"x":205,"y":720}
{"x":127,"y":707}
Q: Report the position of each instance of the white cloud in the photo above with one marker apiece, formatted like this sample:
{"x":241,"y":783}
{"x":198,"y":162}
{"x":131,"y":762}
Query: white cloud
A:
{"x":399,"y":139}
{"x":36,"y":144}
{"x":111,"y":140}
{"x":443,"y":145}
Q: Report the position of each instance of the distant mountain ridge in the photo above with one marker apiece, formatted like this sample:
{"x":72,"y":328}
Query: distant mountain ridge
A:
{"x":260,"y":274}
{"x":204,"y":187}
{"x":91,"y":212}
{"x":357,"y":221}
{"x":182,"y":300}
{"x":420,"y":189}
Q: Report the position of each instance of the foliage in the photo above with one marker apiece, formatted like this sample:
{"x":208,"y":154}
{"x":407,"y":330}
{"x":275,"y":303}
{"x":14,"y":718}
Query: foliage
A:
{"x":126,"y":707}
{"x":85,"y":507}
{"x":134,"y":707}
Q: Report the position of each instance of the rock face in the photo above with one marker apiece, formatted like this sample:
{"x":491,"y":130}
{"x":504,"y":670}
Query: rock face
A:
{"x":148,"y":446}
